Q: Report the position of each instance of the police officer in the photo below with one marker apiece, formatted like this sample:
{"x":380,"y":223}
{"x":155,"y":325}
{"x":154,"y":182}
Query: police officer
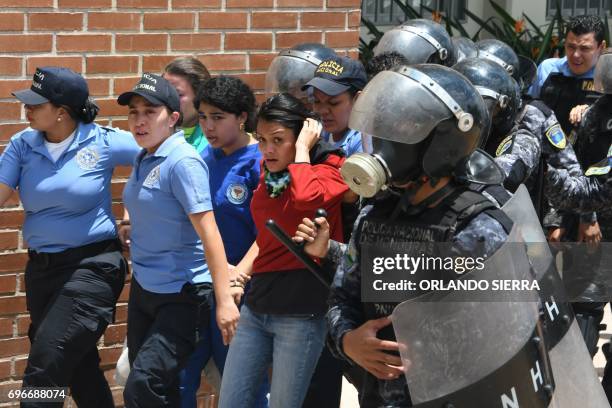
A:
{"x":169,"y":203}
{"x":563,"y":83}
{"x":443,"y":117}
{"x":62,"y":167}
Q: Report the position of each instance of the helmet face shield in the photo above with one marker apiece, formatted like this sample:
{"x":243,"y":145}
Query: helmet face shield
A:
{"x":288,"y":72}
{"x":603,"y":74}
{"x":416,"y":49}
{"x":384,"y":111}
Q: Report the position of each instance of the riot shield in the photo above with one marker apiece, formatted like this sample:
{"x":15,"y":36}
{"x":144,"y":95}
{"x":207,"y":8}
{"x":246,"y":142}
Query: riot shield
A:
{"x":289,"y":71}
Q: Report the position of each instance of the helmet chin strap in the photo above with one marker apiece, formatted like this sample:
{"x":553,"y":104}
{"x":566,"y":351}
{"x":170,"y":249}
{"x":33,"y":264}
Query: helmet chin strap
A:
{"x":404,"y":205}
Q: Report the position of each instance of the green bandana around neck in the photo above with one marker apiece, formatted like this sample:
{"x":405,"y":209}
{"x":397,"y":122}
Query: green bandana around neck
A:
{"x":276,"y":183}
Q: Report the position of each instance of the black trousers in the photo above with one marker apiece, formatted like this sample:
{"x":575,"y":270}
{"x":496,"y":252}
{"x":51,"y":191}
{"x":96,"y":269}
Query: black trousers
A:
{"x":162,"y":333}
{"x":71,"y":298}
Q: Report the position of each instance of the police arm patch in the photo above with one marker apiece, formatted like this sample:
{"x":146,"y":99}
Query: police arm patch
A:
{"x":504,"y":146}
{"x":556,"y":137}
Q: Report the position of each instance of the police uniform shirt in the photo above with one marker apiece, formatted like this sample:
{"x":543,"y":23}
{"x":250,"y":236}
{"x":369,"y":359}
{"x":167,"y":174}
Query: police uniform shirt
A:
{"x":233,"y":179}
{"x":67,"y":202}
{"x":550,"y":66}
{"x":350,"y":142}
{"x":164,"y":188}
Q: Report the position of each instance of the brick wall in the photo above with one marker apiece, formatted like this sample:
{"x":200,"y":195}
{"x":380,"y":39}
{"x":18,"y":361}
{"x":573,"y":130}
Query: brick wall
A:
{"x":112,"y":42}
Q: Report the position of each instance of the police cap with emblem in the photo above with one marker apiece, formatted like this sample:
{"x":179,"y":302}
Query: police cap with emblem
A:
{"x":154,"y":89}
{"x":337,"y":75}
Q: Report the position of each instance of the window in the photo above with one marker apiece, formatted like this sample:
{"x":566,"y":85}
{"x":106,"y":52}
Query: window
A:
{"x":579,"y":7}
{"x":387,"y":12}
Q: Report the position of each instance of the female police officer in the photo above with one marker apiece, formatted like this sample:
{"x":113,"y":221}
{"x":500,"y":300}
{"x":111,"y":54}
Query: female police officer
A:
{"x":62,"y":165}
{"x":169,"y":202}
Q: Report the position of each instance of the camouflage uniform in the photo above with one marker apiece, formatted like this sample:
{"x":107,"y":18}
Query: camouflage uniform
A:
{"x":480,"y":236}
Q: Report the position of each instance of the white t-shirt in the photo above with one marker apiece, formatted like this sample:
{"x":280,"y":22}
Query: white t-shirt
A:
{"x":56,"y":149}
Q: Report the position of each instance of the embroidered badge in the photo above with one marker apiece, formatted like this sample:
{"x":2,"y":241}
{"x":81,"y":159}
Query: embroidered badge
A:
{"x":504,"y":146}
{"x":152,"y":178}
{"x":87,"y":158}
{"x":237,"y":193}
{"x":556,"y":137}
{"x":596,"y":170}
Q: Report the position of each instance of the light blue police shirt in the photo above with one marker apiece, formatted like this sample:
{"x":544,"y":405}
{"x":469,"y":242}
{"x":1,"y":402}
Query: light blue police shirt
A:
{"x":164,"y":188}
{"x":350,"y":143}
{"x":551,"y":66}
{"x":67,"y":203}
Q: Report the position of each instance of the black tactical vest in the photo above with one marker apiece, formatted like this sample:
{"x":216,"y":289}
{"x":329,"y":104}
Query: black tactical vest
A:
{"x":561,"y":93}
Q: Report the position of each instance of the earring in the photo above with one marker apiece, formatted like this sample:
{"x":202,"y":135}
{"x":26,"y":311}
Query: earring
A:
{"x":59,"y":119}
{"x":241,"y":126}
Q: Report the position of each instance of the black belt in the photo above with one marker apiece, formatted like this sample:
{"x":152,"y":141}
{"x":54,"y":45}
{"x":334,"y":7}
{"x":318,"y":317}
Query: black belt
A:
{"x":77,"y":253}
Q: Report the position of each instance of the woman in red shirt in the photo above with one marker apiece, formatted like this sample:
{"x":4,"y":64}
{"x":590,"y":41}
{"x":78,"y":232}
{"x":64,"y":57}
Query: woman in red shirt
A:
{"x":283,"y":319}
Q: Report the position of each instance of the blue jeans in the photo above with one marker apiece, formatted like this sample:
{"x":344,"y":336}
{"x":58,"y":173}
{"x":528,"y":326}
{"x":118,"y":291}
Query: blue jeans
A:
{"x":292,"y":344}
{"x":210,"y":344}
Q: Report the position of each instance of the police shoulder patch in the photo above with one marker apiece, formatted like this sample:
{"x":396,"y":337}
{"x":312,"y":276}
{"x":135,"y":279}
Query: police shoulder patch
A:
{"x":87,"y":158}
{"x":597,"y":170}
{"x":504,"y":146}
{"x":556,"y":137}
{"x":237,"y":193}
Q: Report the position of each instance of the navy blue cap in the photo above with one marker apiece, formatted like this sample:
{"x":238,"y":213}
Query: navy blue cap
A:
{"x":58,"y":85}
{"x":154,"y":89}
{"x":338,"y":74}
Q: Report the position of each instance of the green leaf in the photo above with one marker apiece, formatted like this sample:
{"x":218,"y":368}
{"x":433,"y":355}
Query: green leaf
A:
{"x":545,"y":44}
{"x":507,"y":18}
{"x":484,"y":25}
{"x":535,"y":27}
{"x":607,"y":31}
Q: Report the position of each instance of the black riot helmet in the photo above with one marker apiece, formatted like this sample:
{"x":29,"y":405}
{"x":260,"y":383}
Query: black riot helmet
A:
{"x":498,"y":89}
{"x":603,"y":73}
{"x":464,"y":48}
{"x":429,"y":120}
{"x":291,"y":69}
{"x":420,"y":41}
{"x":501,"y":53}
{"x":528,"y":71}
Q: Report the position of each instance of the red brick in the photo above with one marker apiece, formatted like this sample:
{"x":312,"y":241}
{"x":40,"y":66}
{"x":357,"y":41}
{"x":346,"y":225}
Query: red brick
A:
{"x":5,"y":370}
{"x":83,"y":42}
{"x":113,"y":21}
{"x":249,"y":3}
{"x":14,"y":347}
{"x":122,"y":171}
{"x":288,"y":40}
{"x":8,"y":86}
{"x":74,"y":63}
{"x":123,"y":84}
{"x":196,"y":4}
{"x":117,"y":186}
{"x":354,"y":19}
{"x":195,"y":42}
{"x":142,"y":3}
{"x":26,"y":3}
{"x":20,"y":365}
{"x":300,"y":3}
{"x":21,"y":280}
{"x":260,"y":61}
{"x":13,"y":200}
{"x":13,"y":263}
{"x":10,"y":110}
{"x":6,"y":327}
{"x":98,"y":86}
{"x":169,"y":21}
{"x":255,"y":81}
{"x":224,"y":62}
{"x":25,"y":43}
{"x":23,"y":324}
{"x":89,"y":4}
{"x":154,"y":63}
{"x":141,"y":42}
{"x":110,"y":107}
{"x":121,"y":124}
{"x":342,"y":39}
{"x":222,"y":19}
{"x":111,"y":64}
{"x":8,"y":284}
{"x":114,"y":334}
{"x":248,"y":41}
{"x":121,"y":313}
{"x":8,"y":240}
{"x":109,"y":356}
{"x":10,"y":66}
{"x":4,"y":390}
{"x":125,"y":293}
{"x":11,"y":22}
{"x":55,"y":21}
{"x":11,"y":218}
{"x":344,"y":3}
{"x":323,"y":20}
{"x":272,"y":19}
{"x":117,"y":209}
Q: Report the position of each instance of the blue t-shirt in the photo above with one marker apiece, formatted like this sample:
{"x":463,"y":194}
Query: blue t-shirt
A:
{"x":68,"y":202}
{"x":164,"y":189}
{"x":550,"y":66}
{"x":232,"y":181}
{"x":350,"y":143}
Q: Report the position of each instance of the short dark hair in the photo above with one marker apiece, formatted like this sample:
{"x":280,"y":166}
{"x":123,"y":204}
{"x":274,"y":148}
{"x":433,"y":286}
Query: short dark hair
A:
{"x":385,"y":62}
{"x":287,"y":110}
{"x":191,"y":69}
{"x":230,"y":94}
{"x":581,"y":25}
